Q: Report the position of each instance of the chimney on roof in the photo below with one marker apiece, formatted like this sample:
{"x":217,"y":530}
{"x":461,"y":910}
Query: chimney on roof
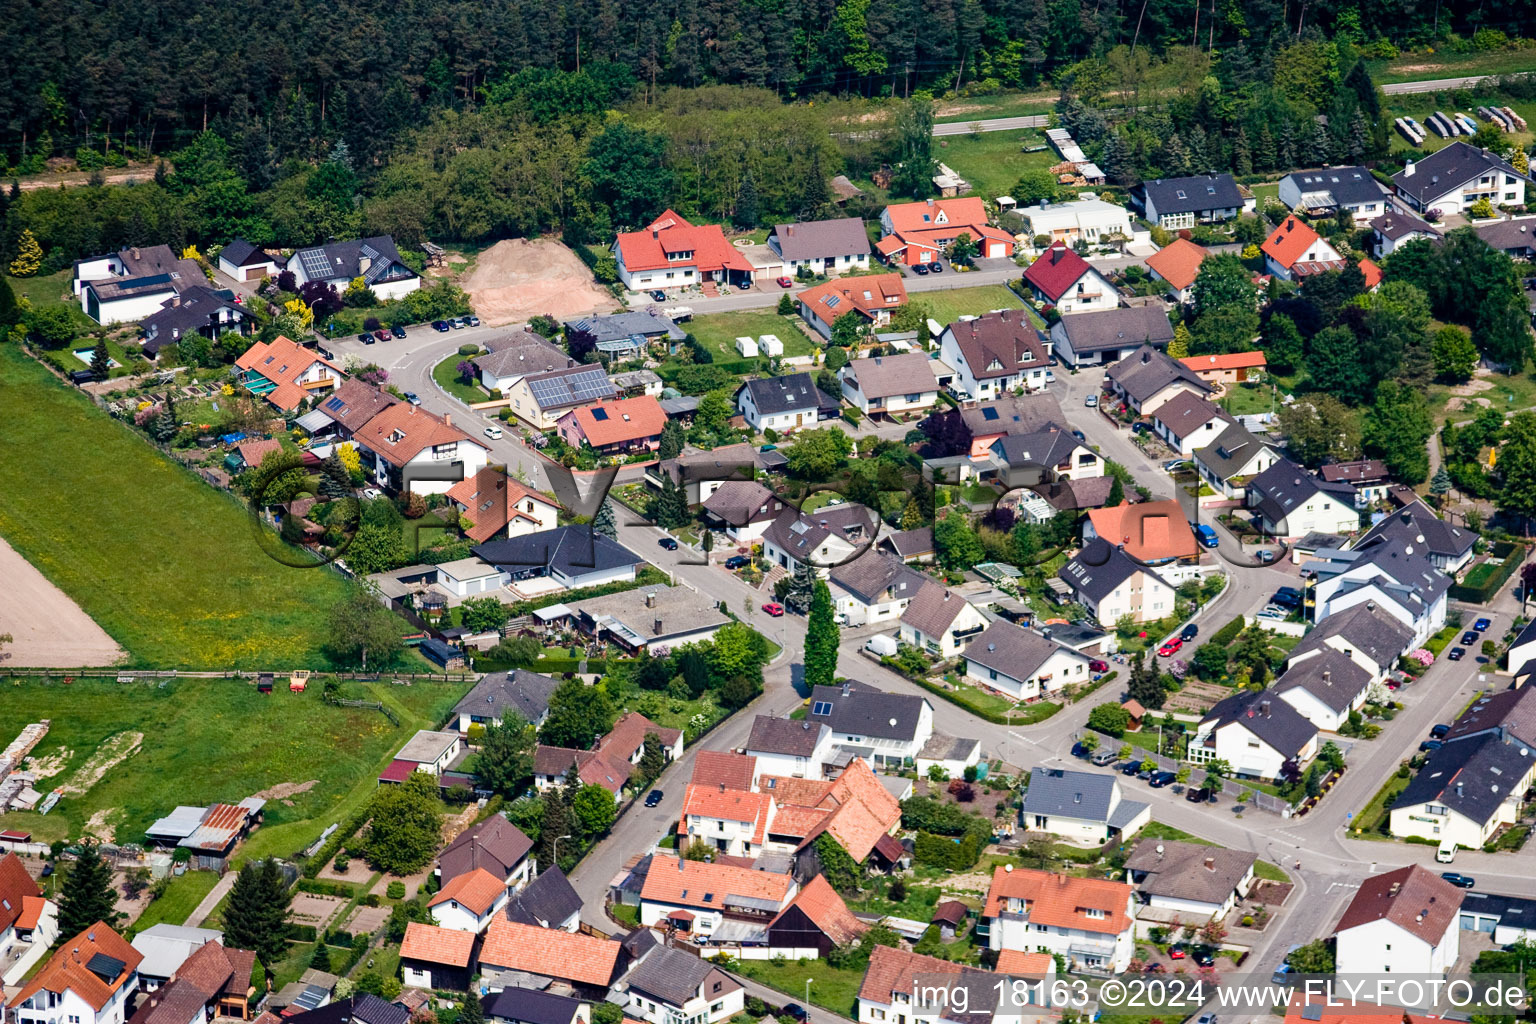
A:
{"x":650,"y":599}
{"x":1327,"y":677}
{"x":930,"y":202}
{"x":655,"y":233}
{"x":1056,"y":254}
{"x":1264,"y":707}
{"x":447,"y":419}
{"x":135,"y":252}
{"x":845,"y":688}
{"x":1459,"y":788}
{"x":1408,"y":169}
{"x":1290,"y":225}
{"x":656,"y":625}
{"x":1210,"y":863}
{"x":722,"y":787}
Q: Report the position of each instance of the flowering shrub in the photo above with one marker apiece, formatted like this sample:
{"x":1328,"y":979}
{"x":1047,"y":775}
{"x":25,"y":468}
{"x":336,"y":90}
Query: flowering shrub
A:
{"x":1422,"y":656}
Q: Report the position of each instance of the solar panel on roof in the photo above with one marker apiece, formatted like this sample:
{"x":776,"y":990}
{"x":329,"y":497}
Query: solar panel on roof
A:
{"x":315,"y":263}
{"x":334,"y":403}
{"x":144,"y":282}
{"x":600,"y":414}
{"x":104,"y":966}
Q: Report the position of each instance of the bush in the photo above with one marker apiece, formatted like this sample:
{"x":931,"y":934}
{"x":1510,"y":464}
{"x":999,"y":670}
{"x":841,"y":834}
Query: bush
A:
{"x":469,"y":350}
{"x":1109,"y":719}
{"x":323,"y":888}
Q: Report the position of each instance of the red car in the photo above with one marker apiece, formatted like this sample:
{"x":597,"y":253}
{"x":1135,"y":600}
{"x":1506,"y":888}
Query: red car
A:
{"x":1176,"y":953}
{"x":1170,"y":648}
{"x":785,"y":282}
{"x":774,"y":608}
{"x":1098,"y":665}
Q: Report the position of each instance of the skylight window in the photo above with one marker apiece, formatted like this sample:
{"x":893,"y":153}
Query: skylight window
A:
{"x":822,"y":707}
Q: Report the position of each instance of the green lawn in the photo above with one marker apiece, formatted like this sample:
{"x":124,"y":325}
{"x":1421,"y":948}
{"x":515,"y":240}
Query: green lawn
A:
{"x":993,"y":162}
{"x":1420,"y":67}
{"x":52,"y":290}
{"x":183,"y":896}
{"x":447,"y":377}
{"x":164,"y":563}
{"x":947,"y":306}
{"x":718,"y":333}
{"x":1005,"y":104}
{"x":1261,"y":192}
{"x":1248,"y":399}
{"x":835,"y":990}
{"x":207,"y":740}
{"x":1373,"y":822}
{"x":1509,"y":393}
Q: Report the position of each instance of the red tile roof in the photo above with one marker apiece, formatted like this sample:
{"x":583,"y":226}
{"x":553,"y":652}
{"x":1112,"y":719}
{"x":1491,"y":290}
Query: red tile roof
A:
{"x":398,"y":771}
{"x":554,"y":954}
{"x":688,"y":882}
{"x":492,"y":499}
{"x":716,"y":767}
{"x":819,"y":902}
{"x":729,"y":805}
{"x":892,"y":970}
{"x":628,"y":735}
{"x":15,"y":886}
{"x":670,"y":233}
{"x":1372,"y":273}
{"x":1226,"y":361}
{"x":477,"y":890}
{"x":968,"y":212}
{"x":1412,"y":898}
{"x":1179,"y":262}
{"x":1151,"y":531}
{"x":867,"y":294}
{"x":252,"y":452}
{"x":437,"y":945}
{"x":1016,"y":961}
{"x":1055,"y":270}
{"x":1289,"y":242}
{"x":1345,"y":1011}
{"x":284,"y":362}
{"x":66,"y":968}
{"x":628,"y":419}
{"x":1061,"y":901}
{"x":403,"y":431}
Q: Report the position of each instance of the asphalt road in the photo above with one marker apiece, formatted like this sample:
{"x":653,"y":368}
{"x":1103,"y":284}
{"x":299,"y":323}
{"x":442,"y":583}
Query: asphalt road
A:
{"x":1439,"y":84}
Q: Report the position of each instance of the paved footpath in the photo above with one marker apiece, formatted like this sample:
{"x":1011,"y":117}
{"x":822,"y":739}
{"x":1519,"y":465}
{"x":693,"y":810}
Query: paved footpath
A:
{"x":217,"y":893}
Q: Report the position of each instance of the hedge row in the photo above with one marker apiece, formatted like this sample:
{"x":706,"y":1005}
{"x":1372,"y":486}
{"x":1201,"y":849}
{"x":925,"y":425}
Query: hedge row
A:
{"x":958,"y":854}
{"x":1483,"y":593}
{"x":338,"y":838}
{"x":321,"y":888}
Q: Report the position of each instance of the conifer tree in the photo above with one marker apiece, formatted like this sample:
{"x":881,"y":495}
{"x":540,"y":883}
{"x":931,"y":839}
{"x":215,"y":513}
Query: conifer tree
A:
{"x":821,"y":638}
{"x":257,"y":915}
{"x":604,"y":523}
{"x":29,"y":255}
{"x":86,"y":896}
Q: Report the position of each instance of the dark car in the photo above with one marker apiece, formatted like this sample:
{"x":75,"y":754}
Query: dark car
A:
{"x":1205,"y":956}
{"x":1079,"y":435}
{"x":1481,"y":625}
{"x":1459,"y":881}
{"x":1148,"y":769}
{"x":1286,"y":599}
{"x":794,"y":1010}
{"x":1198,"y":796}
{"x":669,"y":543}
{"x":1429,"y":745}
{"x":1140,"y":428}
{"x":1439,"y":731}
{"x":1161,"y":779}
{"x":1469,"y":638}
{"x":1190,"y":632}
{"x":365,"y":338}
{"x":397,"y":331}
{"x":1130,"y":768}
{"x":1079,"y":750}
{"x":920,"y":269}
{"x":653,"y":798}
{"x":659,"y":295}
{"x":1457,"y":653}
{"x":937,"y":268}
{"x":1155,"y":969}
{"x":441,"y":326}
{"x":736,"y":561}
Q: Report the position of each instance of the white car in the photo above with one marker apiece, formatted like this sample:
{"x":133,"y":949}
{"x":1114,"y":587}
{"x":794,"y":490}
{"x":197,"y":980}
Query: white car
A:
{"x":1091,"y":401}
{"x":494,"y":433}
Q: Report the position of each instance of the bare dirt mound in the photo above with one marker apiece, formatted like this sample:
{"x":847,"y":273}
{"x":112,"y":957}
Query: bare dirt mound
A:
{"x":518,"y":278}
{"x":49,"y":629}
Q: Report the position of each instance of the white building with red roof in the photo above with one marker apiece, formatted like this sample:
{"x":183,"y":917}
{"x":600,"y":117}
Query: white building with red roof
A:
{"x":28,"y":922}
{"x":408,"y":448}
{"x":625,"y":425}
{"x":1062,"y":278}
{"x":468,"y":902}
{"x":499,"y":506}
{"x":872,"y":296}
{"x":672,"y":253}
{"x":733,"y":821}
{"x":286,"y":373}
{"x":88,"y":980}
{"x":1090,"y":921}
{"x":696,"y":897}
{"x":920,"y":232}
{"x":1293,"y":250}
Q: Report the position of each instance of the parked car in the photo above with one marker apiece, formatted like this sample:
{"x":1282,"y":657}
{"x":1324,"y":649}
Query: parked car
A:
{"x":1456,"y":654}
{"x":1098,"y":665}
{"x":736,"y":561}
{"x":474,"y":321}
{"x":413,"y":398}
{"x":457,"y":323}
{"x":1458,"y":880}
{"x":1079,"y":750}
{"x":1206,"y":1018}
{"x":774,"y":608}
{"x":440,"y":326}
{"x":1429,"y":745}
{"x":1102,"y":758}
{"x":397,"y":331}
{"x":1130,"y":768}
{"x":1091,"y":401}
{"x":381,"y":334}
{"x":1140,"y":427}
{"x":1079,"y":435}
{"x":1190,"y":632}
{"x":786,"y":282}
{"x":653,"y":798}
{"x":1170,"y":648}
{"x":937,"y":268}
{"x":1205,"y":956}
{"x":1206,"y":535}
{"x":1176,"y":951}
{"x":1439,"y":731}
{"x":365,"y":338}
{"x":1265,"y":556}
{"x":493,"y":432}
{"x":1148,"y":769}
{"x":1174,"y":465}
{"x":794,"y":1010}
{"x":669,"y":543}
{"x":920,"y":269}
{"x":1481,"y":625}
{"x":1287,"y":597}
{"x":1160,"y":779}
{"x":659,"y":295}
{"x":1197,"y":796}
{"x":1050,"y":376}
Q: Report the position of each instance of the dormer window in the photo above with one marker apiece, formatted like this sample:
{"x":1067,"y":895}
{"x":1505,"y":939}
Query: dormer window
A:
{"x":396,"y":436}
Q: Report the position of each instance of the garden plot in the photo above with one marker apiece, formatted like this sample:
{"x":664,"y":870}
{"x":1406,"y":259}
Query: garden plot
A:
{"x":314,"y":909}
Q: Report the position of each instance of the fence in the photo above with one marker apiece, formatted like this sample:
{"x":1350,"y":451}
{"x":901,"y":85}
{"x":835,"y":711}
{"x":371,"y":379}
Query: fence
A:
{"x":373,"y":705}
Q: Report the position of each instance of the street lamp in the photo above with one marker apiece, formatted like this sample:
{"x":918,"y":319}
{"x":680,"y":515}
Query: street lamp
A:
{"x":808,"y":988}
{"x":557,"y":848}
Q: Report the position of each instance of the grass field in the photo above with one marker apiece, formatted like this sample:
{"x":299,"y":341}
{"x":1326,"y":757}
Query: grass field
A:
{"x":993,"y":162}
{"x":52,"y":290}
{"x":447,"y":377}
{"x":832,"y":989}
{"x":166,"y":565}
{"x":1422,"y":67}
{"x":207,"y":740}
{"x":718,"y":333}
{"x":947,"y":306}
{"x":183,"y":896}
{"x":1374,"y":821}
{"x":1006,"y":104}
{"x":1421,"y":106}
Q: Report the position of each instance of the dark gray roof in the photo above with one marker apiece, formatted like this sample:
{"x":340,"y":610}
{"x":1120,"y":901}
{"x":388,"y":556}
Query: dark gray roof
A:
{"x":1400,"y":223}
{"x":1416,"y":524}
{"x":861,"y":710}
{"x":1512,"y":911}
{"x":1447,"y":169}
{"x":1231,"y":452}
{"x":772,"y":395}
{"x":817,"y":239}
{"x":907,"y":543}
{"x":342,"y":261}
{"x":797,"y":738}
{"x":674,"y":976}
{"x":1360,"y":471}
{"x":801,"y":533}
{"x":739,"y":501}
{"x":572,"y":550}
{"x":618,"y":326}
{"x":570,"y":386}
{"x":1120,"y":328}
{"x":1147,"y":371}
{"x":361,"y":1009}
{"x":1509,"y":712}
{"x":1047,"y":447}
{"x":1187,"y":412}
{"x":192,"y":310}
{"x":1517,"y":234}
{"x":241,"y":253}
{"x":1472,"y":777}
{"x":908,"y":373}
{"x":494,"y":844}
{"x":1403,"y":572}
{"x":999,"y":344}
{"x":875,"y":576}
{"x":1013,"y":414}
{"x":522,"y":352}
{"x":1266,"y":716}
{"x":1193,"y":195}
{"x":522,"y":691}
{"x":1099,"y":568}
{"x":1189,"y":871}
{"x":1013,"y":651}
{"x":531,"y":1006}
{"x":1330,"y":676}
{"x":1070,"y":793}
{"x":1346,"y":186}
{"x":548,"y":901}
{"x":1369,"y":630}
{"x":933,"y":609}
{"x":1285,"y":485}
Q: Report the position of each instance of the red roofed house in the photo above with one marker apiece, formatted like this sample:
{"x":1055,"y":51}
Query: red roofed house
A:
{"x":814,"y":923}
{"x":886,"y":994}
{"x":733,"y":821}
{"x":1178,"y":263}
{"x":1153,"y":531}
{"x":212,"y":982}
{"x":672,"y":253}
{"x":28,"y":922}
{"x":1372,"y":274}
{"x":872,"y":295}
{"x":1293,"y":250}
{"x":411,"y":449}
{"x":1090,"y":921}
{"x":697,"y":896}
{"x":468,"y":901}
{"x":1226,"y":368}
{"x":625,"y":425}
{"x":436,"y":958}
{"x":87,"y":981}
{"x":1065,"y":280}
{"x":1405,"y":921}
{"x":286,"y":373}
{"x":585,"y":962}
{"x":497,"y":505}
{"x":920,"y":232}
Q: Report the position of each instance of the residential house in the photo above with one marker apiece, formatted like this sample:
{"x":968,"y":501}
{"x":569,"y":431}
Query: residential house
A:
{"x":784,"y":403}
{"x":1049,"y":456}
{"x":615,"y":427}
{"x":650,"y":618}
{"x":197,"y":310}
{"x":995,"y":354}
{"x":1062,"y":278}
{"x":672,"y":253}
{"x":1087,"y":219}
{"x":1089,"y":921}
{"x":1198,"y":883}
{"x":734,"y":822}
{"x":1449,"y":547}
{"x":1325,"y":688}
{"x":285,"y":373}
{"x":1081,"y":807}
{"x":1188,"y":421}
{"x":542,"y":398}
{"x":213,"y":982}
{"x":165,"y":947}
{"x":338,"y":264}
{"x":1177,"y":264}
{"x":1324,"y":192}
{"x":875,"y":587}
{"x":669,"y":986}
{"x":467,"y":902}
{"x":939,"y":621}
{"x":88,"y":980}
{"x":696,"y":897}
{"x":1452,"y":179}
{"x":888,"y":993}
{"x":554,"y":767}
{"x":409,"y":449}
{"x":856,"y":809}
{"x":827,"y":537}
{"x":920,"y":232}
{"x":1257,"y":734}
{"x":717,"y":767}
{"x":629,"y":332}
{"x":1368,"y":477}
{"x":1147,"y":378}
{"x":496,"y":504}
{"x":1405,"y":921}
{"x":1174,"y":203}
{"x":625,"y":742}
{"x":1367,"y":635}
{"x":785,"y":747}
{"x":1394,"y":576}
{"x":494,"y":845}
{"x":1228,"y":463}
{"x":532,"y":1006}
{"x":572,"y":556}
{"x":889,"y":729}
{"x":517,"y":354}
{"x":1398,"y":227}
{"x":1294,"y":251}
{"x":1508,"y":919}
{"x":910,"y":545}
{"x":352,"y":405}
{"x":1291,"y":502}
{"x":1111,"y":585}
{"x":1522,"y":653}
{"x":1225,"y":369}
{"x":244,"y":262}
{"x":313,"y":985}
{"x":549,"y":901}
{"x":1022,"y":664}
{"x":1109,"y":335}
{"x":1154,"y":532}
{"x":1512,"y":237}
{"x":815,"y":922}
{"x":872,"y":296}
{"x":134,"y":283}
{"x":28,"y":922}
{"x":586,"y":963}
{"x":427,"y":751}
{"x":821,"y":246}
{"x":890,"y":385}
{"x":742,"y":510}
{"x":699,"y":474}
{"x":1466,"y":792}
